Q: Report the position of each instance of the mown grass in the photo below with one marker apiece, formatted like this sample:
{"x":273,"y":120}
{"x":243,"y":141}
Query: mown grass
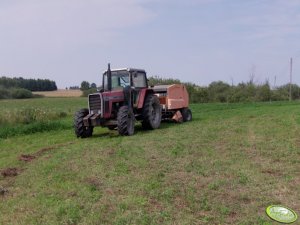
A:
{"x":224,"y":167}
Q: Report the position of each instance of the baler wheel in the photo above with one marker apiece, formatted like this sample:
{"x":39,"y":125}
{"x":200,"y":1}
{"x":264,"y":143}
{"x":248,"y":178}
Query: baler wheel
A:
{"x":186,"y":114}
{"x":126,"y":121}
{"x":81,"y":130}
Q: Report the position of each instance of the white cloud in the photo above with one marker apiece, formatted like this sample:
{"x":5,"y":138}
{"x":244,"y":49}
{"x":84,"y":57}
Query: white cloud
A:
{"x":63,"y":22}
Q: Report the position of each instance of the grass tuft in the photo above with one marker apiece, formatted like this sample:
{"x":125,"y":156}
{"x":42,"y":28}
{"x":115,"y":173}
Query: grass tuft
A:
{"x":35,"y":127}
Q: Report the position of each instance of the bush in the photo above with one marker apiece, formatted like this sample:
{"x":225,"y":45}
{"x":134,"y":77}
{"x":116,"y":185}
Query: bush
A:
{"x":20,"y":93}
{"x":263,"y":93}
{"x":85,"y":93}
{"x":218,"y":91}
{"x":4,"y":93}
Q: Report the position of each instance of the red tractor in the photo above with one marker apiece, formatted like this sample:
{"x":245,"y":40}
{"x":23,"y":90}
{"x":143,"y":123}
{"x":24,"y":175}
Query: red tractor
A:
{"x":123,"y":99}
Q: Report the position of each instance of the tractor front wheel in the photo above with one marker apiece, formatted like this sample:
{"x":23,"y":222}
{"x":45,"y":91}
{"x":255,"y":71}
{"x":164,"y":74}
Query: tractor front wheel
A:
{"x":81,"y":130}
{"x":151,"y":112}
{"x":126,"y":121}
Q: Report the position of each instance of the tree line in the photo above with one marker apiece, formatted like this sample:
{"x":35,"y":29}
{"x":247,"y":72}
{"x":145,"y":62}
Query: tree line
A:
{"x":29,"y":84}
{"x":22,"y":88}
{"x":219,"y":91}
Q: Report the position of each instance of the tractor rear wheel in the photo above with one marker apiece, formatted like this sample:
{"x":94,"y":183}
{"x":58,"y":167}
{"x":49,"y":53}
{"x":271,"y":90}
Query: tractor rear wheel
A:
{"x":126,"y":121}
{"x":81,"y":130}
{"x":186,"y":114}
{"x":151,"y":112}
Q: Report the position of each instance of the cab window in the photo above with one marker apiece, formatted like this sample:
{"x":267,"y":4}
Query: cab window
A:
{"x":139,"y":80}
{"x":119,"y":80}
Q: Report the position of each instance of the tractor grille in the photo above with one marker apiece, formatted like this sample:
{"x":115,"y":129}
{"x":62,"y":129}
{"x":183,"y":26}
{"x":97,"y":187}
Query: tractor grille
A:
{"x":95,"y":103}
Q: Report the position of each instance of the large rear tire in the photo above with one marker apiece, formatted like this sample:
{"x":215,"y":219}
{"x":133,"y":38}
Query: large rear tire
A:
{"x":151,"y":112}
{"x":126,"y":121}
{"x":81,"y":130}
{"x":186,"y":114}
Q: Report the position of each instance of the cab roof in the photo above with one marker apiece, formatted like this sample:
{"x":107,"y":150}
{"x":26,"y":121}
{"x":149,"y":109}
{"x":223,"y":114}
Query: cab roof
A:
{"x":127,"y":69}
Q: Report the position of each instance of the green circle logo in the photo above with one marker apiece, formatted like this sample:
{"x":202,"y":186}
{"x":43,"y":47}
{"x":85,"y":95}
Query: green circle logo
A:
{"x":281,"y":214}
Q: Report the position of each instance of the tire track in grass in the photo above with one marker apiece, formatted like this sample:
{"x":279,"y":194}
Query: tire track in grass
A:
{"x":11,"y":173}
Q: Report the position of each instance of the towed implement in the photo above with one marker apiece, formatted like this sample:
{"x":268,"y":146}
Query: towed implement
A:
{"x":125,"y":98}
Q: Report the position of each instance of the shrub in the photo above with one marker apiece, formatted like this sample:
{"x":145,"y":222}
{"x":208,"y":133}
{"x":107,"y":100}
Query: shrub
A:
{"x":21,"y":93}
{"x":218,"y":91}
{"x":4,"y":93}
{"x":85,"y":93}
{"x":18,"y":93}
{"x":263,"y":93}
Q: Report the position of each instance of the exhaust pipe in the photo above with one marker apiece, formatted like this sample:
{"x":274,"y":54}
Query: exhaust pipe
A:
{"x":109,"y":78}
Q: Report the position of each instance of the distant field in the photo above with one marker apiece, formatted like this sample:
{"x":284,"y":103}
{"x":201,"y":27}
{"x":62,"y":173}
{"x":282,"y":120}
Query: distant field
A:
{"x":60,"y":93}
{"x":224,"y":167}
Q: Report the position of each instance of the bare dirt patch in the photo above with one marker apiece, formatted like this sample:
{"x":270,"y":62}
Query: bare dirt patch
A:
{"x":298,"y":143}
{"x":26,"y":158}
{"x":72,"y":194}
{"x":46,"y":149}
{"x":232,"y":215}
{"x":3,"y":191}
{"x":272,"y":172}
{"x":155,"y":205}
{"x":94,"y":182}
{"x":10,"y":172}
{"x":40,"y":152}
{"x":111,"y":151}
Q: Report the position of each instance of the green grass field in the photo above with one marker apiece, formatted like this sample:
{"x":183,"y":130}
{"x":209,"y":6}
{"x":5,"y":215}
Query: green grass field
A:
{"x":224,"y":167}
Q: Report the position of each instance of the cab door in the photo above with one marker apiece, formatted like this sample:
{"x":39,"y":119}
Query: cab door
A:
{"x":139,"y":82}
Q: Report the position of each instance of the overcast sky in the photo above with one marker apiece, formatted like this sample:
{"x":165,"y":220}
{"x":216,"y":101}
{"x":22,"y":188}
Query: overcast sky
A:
{"x":194,"y":40}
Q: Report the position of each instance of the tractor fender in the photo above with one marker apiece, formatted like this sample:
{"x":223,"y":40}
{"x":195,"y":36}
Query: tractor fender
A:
{"x":142,"y":96}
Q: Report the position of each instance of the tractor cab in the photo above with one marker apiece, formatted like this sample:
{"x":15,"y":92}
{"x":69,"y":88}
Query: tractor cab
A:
{"x":124,"y":79}
{"x":118,"y":79}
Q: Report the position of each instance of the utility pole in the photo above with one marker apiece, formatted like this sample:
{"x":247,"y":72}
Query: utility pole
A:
{"x":231,"y":81}
{"x":291,"y":73}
